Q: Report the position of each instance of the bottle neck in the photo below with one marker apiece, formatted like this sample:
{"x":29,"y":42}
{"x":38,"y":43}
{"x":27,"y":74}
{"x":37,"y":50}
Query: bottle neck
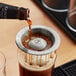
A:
{"x":23,"y":13}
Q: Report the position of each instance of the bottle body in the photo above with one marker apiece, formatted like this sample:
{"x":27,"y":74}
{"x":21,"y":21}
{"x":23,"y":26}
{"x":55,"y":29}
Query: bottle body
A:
{"x":13,"y":12}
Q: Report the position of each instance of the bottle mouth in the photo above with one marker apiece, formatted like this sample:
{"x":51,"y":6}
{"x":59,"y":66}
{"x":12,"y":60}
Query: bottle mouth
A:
{"x":38,"y":28}
{"x":57,"y":8}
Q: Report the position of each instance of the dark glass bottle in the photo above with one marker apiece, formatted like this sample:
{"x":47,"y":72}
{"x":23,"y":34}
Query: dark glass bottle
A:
{"x":13,"y":12}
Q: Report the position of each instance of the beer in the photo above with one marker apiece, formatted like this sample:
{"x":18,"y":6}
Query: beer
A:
{"x":26,"y":69}
{"x":29,"y":68}
{"x":29,"y":23}
{"x":26,"y":40}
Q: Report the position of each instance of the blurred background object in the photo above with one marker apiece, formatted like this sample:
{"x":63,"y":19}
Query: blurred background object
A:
{"x":56,"y":5}
{"x":71,"y":19}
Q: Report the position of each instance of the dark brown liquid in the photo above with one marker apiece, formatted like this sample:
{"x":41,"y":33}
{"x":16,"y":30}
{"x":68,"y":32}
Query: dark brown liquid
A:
{"x":30,"y":23}
{"x":72,"y":20}
{"x":25,"y":72}
{"x":31,"y":36}
{"x":37,"y":35}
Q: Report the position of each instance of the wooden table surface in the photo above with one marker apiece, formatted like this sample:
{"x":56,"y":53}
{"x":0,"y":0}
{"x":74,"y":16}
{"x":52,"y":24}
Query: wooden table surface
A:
{"x":9,"y":28}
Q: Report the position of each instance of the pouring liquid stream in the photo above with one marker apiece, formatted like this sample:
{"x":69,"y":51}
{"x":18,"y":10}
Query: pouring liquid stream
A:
{"x":29,"y":23}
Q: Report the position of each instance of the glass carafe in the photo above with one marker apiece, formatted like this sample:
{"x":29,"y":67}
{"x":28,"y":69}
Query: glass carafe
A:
{"x":71,"y":18}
